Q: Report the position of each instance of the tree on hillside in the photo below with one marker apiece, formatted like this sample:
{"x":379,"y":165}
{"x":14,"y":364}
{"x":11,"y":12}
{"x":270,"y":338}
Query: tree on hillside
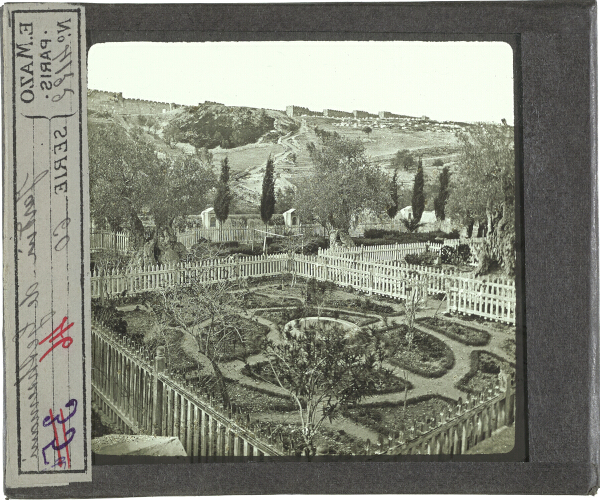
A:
{"x":267,"y":200}
{"x":392,"y":209}
{"x":342,"y":185}
{"x":223,"y":197}
{"x":439,"y":203}
{"x":484,"y":188}
{"x":403,"y":159}
{"x":367,"y":130}
{"x":418,"y":197}
{"x":323,"y":371}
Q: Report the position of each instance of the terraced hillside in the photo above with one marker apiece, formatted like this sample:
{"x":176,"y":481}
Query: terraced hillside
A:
{"x":247,"y":136}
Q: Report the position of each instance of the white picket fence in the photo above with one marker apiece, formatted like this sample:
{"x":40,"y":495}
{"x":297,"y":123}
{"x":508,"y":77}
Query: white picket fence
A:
{"x":122,"y":242}
{"x":107,"y":240}
{"x":149,"y":278}
{"x":491,"y":299}
{"x":390,"y":253}
{"x":397,"y":252}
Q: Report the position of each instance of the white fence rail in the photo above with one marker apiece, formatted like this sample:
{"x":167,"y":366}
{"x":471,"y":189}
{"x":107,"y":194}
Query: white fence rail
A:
{"x":491,"y":299}
{"x":122,"y":242}
{"x":494,"y":300}
{"x":107,"y":240}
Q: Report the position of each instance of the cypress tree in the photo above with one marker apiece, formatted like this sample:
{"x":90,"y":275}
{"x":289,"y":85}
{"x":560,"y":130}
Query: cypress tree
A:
{"x":418,"y":198}
{"x":223,"y":198}
{"x":393,"y":208}
{"x":439,"y":203}
{"x":267,"y":200}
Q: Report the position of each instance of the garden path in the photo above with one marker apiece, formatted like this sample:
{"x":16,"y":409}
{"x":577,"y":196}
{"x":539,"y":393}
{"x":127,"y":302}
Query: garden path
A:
{"x":422,"y":386}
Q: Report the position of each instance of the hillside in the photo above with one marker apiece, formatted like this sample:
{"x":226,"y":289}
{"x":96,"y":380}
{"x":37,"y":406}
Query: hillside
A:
{"x":247,"y":136}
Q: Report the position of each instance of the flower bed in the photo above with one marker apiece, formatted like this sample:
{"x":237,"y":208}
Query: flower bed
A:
{"x":258,"y":301}
{"x":461,"y":333}
{"x":380,"y":385}
{"x":385,"y":417}
{"x":253,"y":401}
{"x":485,"y":367}
{"x":428,"y":356}
{"x":362,"y":305}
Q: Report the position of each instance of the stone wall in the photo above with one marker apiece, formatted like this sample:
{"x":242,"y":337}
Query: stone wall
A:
{"x":115,"y":102}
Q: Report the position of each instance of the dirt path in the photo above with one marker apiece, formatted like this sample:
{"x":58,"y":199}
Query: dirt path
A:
{"x":422,"y":386}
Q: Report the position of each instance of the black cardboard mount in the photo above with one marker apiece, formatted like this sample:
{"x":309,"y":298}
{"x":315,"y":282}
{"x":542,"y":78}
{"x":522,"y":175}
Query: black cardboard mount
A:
{"x":556,"y":138}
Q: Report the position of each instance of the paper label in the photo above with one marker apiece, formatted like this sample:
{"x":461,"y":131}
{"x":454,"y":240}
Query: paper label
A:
{"x":46,"y":315}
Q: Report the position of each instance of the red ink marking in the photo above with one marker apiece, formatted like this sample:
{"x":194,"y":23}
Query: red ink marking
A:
{"x":62,"y":417}
{"x":56,"y":334}
{"x":55,"y":434}
{"x":68,"y":434}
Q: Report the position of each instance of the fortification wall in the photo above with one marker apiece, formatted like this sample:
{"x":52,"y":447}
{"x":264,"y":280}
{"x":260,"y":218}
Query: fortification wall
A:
{"x":116,"y":103}
{"x":335,"y":113}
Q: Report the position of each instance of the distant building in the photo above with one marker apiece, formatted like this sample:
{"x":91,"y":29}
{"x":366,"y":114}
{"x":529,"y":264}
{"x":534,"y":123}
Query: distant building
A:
{"x":387,"y":114}
{"x":209,"y":218}
{"x":290,"y":219}
{"x":292,"y":111}
{"x":363,"y":114}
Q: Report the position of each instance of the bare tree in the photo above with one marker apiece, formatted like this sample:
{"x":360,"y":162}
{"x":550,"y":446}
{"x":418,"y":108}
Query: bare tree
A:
{"x":208,"y":306}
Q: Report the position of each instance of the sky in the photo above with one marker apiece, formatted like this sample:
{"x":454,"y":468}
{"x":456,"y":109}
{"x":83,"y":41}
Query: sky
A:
{"x":460,"y":81}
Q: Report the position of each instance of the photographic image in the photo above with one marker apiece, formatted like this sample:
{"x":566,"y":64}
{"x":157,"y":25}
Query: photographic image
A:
{"x":302,"y":250}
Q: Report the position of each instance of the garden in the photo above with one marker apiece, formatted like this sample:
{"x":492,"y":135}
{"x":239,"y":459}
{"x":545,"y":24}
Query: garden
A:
{"x":419,"y":368}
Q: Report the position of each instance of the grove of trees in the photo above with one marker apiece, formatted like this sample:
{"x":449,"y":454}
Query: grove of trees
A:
{"x":127,"y":178}
{"x":117,"y":178}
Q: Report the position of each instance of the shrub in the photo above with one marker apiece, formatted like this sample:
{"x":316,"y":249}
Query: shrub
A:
{"x":463,"y":253}
{"x":447,"y":254}
{"x":312,"y":246}
{"x":484,"y":370}
{"x":463,"y":334}
{"x":381,"y":233}
{"x":110,"y":316}
{"x":438,"y":162}
{"x":422,"y":259}
{"x":457,"y":256}
{"x":277,"y":220}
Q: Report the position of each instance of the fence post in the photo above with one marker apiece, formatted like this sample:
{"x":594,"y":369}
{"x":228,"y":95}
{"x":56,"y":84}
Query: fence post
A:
{"x":101,"y":282}
{"x":160,"y":364}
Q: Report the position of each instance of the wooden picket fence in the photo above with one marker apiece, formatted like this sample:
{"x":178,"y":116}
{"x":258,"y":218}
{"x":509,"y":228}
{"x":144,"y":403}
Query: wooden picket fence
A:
{"x":149,"y":278}
{"x":456,"y":430}
{"x":390,"y":253}
{"x":397,"y":251}
{"x":107,"y":240}
{"x":123,"y":243}
{"x":492,"y":299}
